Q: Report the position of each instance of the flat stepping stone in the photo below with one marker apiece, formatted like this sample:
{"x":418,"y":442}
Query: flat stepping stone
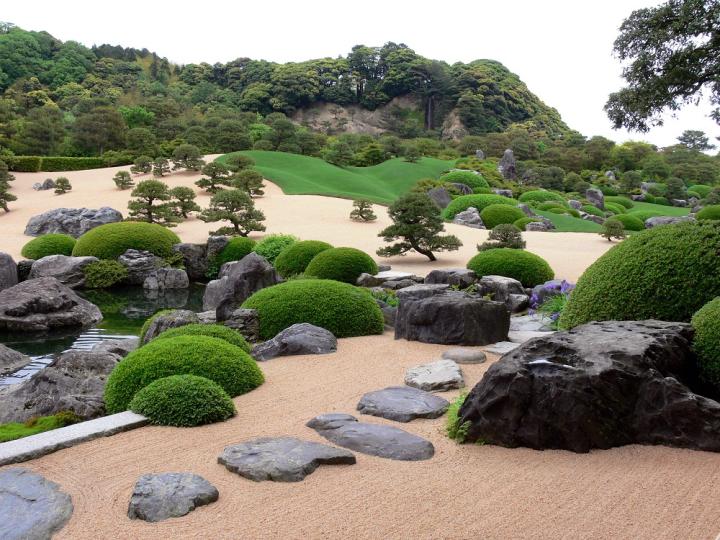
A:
{"x":402,"y":404}
{"x":435,"y":376}
{"x":373,"y":439}
{"x":31,"y":506}
{"x":157,"y":497}
{"x":521,"y":336}
{"x":501,"y":347}
{"x":465,"y":356}
{"x":282,"y":459}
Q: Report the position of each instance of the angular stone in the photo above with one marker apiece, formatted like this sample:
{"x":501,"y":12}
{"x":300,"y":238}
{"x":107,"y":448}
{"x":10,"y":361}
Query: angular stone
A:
{"x":281,"y":459}
{"x":31,"y":507}
{"x":658,"y":221}
{"x":172,"y":319}
{"x":167,"y":278}
{"x":503,"y":289}
{"x":8,"y":271}
{"x":521,"y":336}
{"x":595,"y":197}
{"x":215,"y":244}
{"x":120,"y":347}
{"x":302,"y":338}
{"x":23,"y":269}
{"x":465,"y":356}
{"x":140,"y":265}
{"x":577,"y":205}
{"x":459,"y":277}
{"x":11,"y":361}
{"x":194,"y":260}
{"x":501,"y":347}
{"x":469,"y":218}
{"x":463,"y":189}
{"x":537,"y":226}
{"x":69,"y":271}
{"x":157,"y":497}
{"x":245,"y":321}
{"x":436,"y":376}
{"x":381,"y":278}
{"x":440,"y":196}
{"x":373,"y":439}
{"x":532,"y":323}
{"x":72,"y":221}
{"x":507,"y":165}
{"x":402,"y":404}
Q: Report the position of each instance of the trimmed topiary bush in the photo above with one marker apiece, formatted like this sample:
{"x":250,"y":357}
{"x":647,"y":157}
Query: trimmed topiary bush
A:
{"x":706,"y":342}
{"x":546,"y":206}
{"x":710,"y":212}
{"x":662,"y":201}
{"x":622,"y":201}
{"x":526,"y":267}
{"x":183,"y":401}
{"x":227,"y":365}
{"x":344,"y":310}
{"x":468,"y":178}
{"x":520,"y":223}
{"x":630,"y":222}
{"x":48,"y":244}
{"x":593,"y":210}
{"x":701,"y":189}
{"x":498,"y":214}
{"x":104,"y":273}
{"x":111,"y":240}
{"x":664,"y":273}
{"x":341,"y":264}
{"x":219,"y":331}
{"x":480,"y":202}
{"x":615,"y":208}
{"x":644,"y":215}
{"x":294,"y":259}
{"x":237,"y":248}
{"x":271,"y":246}
{"x":541,"y":196}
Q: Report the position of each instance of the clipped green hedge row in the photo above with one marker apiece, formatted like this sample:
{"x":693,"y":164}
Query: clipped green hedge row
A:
{"x":706,"y":342}
{"x":219,"y":331}
{"x":52,"y":163}
{"x":629,"y":222}
{"x":462,"y":203}
{"x":498,"y":214}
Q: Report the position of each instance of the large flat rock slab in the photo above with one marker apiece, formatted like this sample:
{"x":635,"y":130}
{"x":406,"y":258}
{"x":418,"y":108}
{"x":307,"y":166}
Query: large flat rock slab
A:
{"x":373,"y":439}
{"x":435,"y":376}
{"x":402,"y":404}
{"x":302,"y":338}
{"x":157,"y":497}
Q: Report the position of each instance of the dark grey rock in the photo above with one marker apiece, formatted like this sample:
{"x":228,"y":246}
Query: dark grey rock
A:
{"x":382,"y":278}
{"x":23,"y":269}
{"x":11,"y":361}
{"x":537,"y":226}
{"x":503,"y":289}
{"x":436,"y":376}
{"x":302,"y":338}
{"x":46,"y":184}
{"x":31,"y":507}
{"x":595,"y":197}
{"x":384,"y":267}
{"x":479,"y":154}
{"x":469,"y":218}
{"x":577,"y":205}
{"x":165,"y":321}
{"x":215,"y":244}
{"x":207,"y":317}
{"x":69,"y":271}
{"x":281,"y":459}
{"x":504,"y":192}
{"x":440,"y":196}
{"x":167,"y":278}
{"x":119,"y":347}
{"x":245,"y":321}
{"x":465,"y":356}
{"x":397,"y":284}
{"x":529,"y":212}
{"x":463,"y":189}
{"x":459,"y":277}
{"x":157,"y":497}
{"x":72,"y":221}
{"x":194,"y":259}
{"x":389,"y":315}
{"x":373,"y":439}
{"x":658,"y":221}
{"x":402,"y":404}
{"x":8,"y":271}
{"x":140,"y":265}
{"x":507,"y":165}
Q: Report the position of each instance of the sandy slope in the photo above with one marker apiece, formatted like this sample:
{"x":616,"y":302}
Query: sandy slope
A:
{"x":309,"y":217}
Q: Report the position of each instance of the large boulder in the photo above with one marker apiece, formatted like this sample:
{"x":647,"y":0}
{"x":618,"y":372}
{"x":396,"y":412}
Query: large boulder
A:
{"x":167,"y":278}
{"x":595,"y":197}
{"x":39,"y":305}
{"x":72,"y":221}
{"x":506,"y":290}
{"x":195,"y":260}
{"x":600,"y":385}
{"x":166,"y":321}
{"x":440,"y":196}
{"x":23,"y":269}
{"x":658,"y":221}
{"x":245,"y":321}
{"x":140,"y":265}
{"x":67,"y":270}
{"x":8,"y":271}
{"x":462,"y":189}
{"x":157,"y":497}
{"x":459,"y":277}
{"x":302,"y":338}
{"x":11,"y":360}
{"x":435,"y":314}
{"x":469,"y":218}
{"x":507,"y":165}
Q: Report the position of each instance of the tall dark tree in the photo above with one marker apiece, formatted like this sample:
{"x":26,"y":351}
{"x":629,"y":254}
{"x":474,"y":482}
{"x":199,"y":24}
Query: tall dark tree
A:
{"x":694,"y":139}
{"x":100,"y":129}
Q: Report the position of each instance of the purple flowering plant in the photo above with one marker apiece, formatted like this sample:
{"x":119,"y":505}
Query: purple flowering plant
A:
{"x":550,"y":300}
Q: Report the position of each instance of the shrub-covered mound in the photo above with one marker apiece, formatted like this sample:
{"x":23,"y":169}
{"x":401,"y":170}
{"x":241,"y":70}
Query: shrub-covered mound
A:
{"x":48,"y":244}
{"x":706,"y":343}
{"x":344,"y":310}
{"x":594,"y":210}
{"x":520,"y":223}
{"x":104,"y":273}
{"x":497,"y":214}
{"x":711,"y":212}
{"x":111,"y":240}
{"x":229,"y":366}
{"x":294,"y":259}
{"x":478,"y":201}
{"x":233,"y":337}
{"x":526,"y":267}
{"x":341,"y":264}
{"x":701,"y":189}
{"x":468,"y":178}
{"x":235,"y":250}
{"x":664,"y":273}
{"x":630,"y":222}
{"x":541,"y":196}
{"x":271,"y":246}
{"x":183,"y":401}
{"x":644,"y":215}
{"x":615,"y":208}
{"x":622,"y":201}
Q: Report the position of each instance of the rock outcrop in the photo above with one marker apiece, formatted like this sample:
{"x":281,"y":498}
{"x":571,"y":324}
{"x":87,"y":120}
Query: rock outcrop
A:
{"x":67,"y":270}
{"x":11,"y":360}
{"x":595,"y":197}
{"x":469,"y":218}
{"x":166,"y":321}
{"x":8,"y":271}
{"x":507,"y":165}
{"x":140,"y":265}
{"x":72,"y":221}
{"x":302,"y":338}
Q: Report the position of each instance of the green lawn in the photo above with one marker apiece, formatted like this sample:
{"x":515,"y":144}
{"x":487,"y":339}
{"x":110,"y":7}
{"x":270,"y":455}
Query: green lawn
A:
{"x":661,"y":209}
{"x":304,"y":175}
{"x":565,"y":223}
{"x":15,"y":430}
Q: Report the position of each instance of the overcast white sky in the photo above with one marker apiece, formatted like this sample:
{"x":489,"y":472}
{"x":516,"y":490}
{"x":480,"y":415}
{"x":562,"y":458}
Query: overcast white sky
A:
{"x":562,"y":49}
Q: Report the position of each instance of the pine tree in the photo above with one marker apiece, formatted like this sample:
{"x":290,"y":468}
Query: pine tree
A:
{"x":238,"y":208}
{"x":151,"y":203}
{"x":362,"y":211}
{"x":161,"y":167}
{"x":250,"y":181}
{"x":183,"y":201}
{"x":217,"y":175}
{"x":62,"y":186}
{"x":142,"y":165}
{"x":123,"y":180}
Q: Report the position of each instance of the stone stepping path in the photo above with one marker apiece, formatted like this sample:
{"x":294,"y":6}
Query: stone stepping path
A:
{"x":402,"y":404}
{"x":501,"y":347}
{"x":31,"y":506}
{"x":373,"y":439}
{"x":282,"y":459}
{"x":435,"y":376}
{"x":465,"y":356}
{"x":157,"y":497}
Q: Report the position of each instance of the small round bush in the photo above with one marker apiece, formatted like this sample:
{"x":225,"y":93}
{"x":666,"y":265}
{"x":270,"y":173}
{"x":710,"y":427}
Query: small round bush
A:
{"x":593,"y":210}
{"x":480,"y":202}
{"x":558,"y":210}
{"x":665,"y":273}
{"x":468,"y":178}
{"x":526,"y":267}
{"x":104,"y":273}
{"x":229,"y":366}
{"x":344,"y":310}
{"x":482,"y":190}
{"x":219,"y":331}
{"x":522,"y":222}
{"x":649,"y":198}
{"x":549,"y":205}
{"x":541,"y":196}
{"x":706,"y":342}
{"x":644,"y":215}
{"x":662,"y":201}
{"x":701,"y":190}
{"x":236,"y":249}
{"x":183,"y":401}
{"x":710,"y":212}
{"x":341,"y":264}
{"x":622,"y":201}
{"x":630,"y":222}
{"x":111,"y":240}
{"x":693,"y":194}
{"x":294,"y":259}
{"x":48,"y":244}
{"x":497,"y":214}
{"x":271,"y":246}
{"x":615,"y":208}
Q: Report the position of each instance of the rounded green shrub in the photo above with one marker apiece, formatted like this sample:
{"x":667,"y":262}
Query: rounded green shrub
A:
{"x":630,"y":222}
{"x":664,"y":273}
{"x":183,"y":401}
{"x":644,"y":215}
{"x":593,"y":210}
{"x":341,"y":264}
{"x":236,"y":249}
{"x":711,"y":212}
{"x":520,"y":223}
{"x":482,"y":190}
{"x":294,"y":259}
{"x":48,"y":244}
{"x":219,"y":331}
{"x":557,"y":210}
{"x":662,"y":201}
{"x":104,"y":273}
{"x":706,"y":342}
{"x":227,"y":365}
{"x":344,"y":310}
{"x":468,"y":178}
{"x":649,"y":198}
{"x":526,"y":267}
{"x":111,"y":240}
{"x":464,"y":202}
{"x":549,"y":205}
{"x":622,"y":201}
{"x":497,"y":214}
{"x":541,"y":196}
{"x":615,"y":208}
{"x":701,"y":189}
{"x":693,"y":194}
{"x":271,"y":246}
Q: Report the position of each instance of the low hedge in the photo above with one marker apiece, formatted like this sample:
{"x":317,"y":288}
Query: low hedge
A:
{"x":52,"y":163}
{"x":711,"y":212}
{"x":706,"y":342}
{"x":497,"y":214}
{"x":541,"y":196}
{"x":271,"y":246}
{"x":526,"y":267}
{"x":622,"y":201}
{"x":468,"y":178}
{"x":344,"y":310}
{"x":644,"y":215}
{"x":480,"y":202}
{"x":294,"y":259}
{"x":48,"y":244}
{"x":549,"y":205}
{"x":23,"y":163}
{"x":111,"y":240}
{"x":341,"y":264}
{"x":104,"y":273}
{"x":219,"y":331}
{"x":629,"y":222}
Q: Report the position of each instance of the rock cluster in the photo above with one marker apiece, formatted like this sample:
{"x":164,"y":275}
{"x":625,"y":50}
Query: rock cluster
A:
{"x":72,"y":221}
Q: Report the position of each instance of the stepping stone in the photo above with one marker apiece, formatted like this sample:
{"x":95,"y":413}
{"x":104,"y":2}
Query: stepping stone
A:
{"x":282,"y":459}
{"x":521,"y":336}
{"x":373,"y":439}
{"x":438,"y":376}
{"x":31,"y":506}
{"x":532,"y":323}
{"x":166,"y":495}
{"x":501,"y":347}
{"x":465,"y":356}
{"x":302,"y":338}
{"x":402,"y":404}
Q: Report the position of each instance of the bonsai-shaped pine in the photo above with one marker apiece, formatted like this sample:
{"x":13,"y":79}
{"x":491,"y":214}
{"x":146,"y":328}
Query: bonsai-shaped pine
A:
{"x":151,"y":204}
{"x":183,"y":201}
{"x":187,"y":156}
{"x":5,"y":179}
{"x":505,"y":235}
{"x":416,"y":222}
{"x":235,"y":206}
{"x":362,"y":211}
{"x":142,"y":165}
{"x":217,"y":175}
{"x":412,"y":153}
{"x":238,"y":162}
{"x":613,"y":228}
{"x":123,"y":180}
{"x":160,"y":167}
{"x":62,"y":186}
{"x":250,"y":181}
